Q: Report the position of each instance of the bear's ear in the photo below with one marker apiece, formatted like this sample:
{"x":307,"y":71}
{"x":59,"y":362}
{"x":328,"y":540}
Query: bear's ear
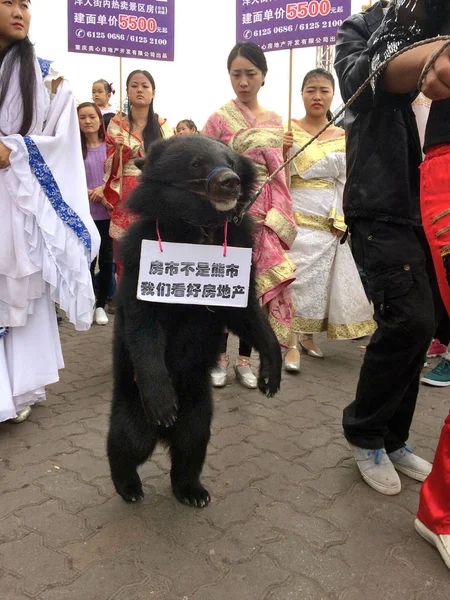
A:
{"x":155,"y":151}
{"x":247,"y":175}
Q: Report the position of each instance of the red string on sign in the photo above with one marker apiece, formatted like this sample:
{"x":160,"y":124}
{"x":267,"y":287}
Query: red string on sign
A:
{"x":225,"y":236}
{"x":159,"y":236}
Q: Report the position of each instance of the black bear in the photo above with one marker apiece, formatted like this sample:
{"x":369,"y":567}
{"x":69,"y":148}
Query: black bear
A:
{"x":163,"y":353}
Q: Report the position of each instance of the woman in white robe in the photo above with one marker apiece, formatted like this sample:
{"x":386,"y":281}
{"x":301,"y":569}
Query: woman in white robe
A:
{"x":327,"y":292}
{"x":48,"y":236}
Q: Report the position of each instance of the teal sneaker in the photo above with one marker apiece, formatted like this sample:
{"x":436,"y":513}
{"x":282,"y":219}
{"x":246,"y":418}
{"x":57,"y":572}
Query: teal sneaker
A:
{"x":439,"y":376}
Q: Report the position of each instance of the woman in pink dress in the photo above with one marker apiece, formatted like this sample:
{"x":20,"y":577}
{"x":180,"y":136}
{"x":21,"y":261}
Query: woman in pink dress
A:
{"x":249,"y":129}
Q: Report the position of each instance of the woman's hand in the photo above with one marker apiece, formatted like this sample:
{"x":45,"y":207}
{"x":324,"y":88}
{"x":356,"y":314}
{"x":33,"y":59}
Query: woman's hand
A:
{"x":337,"y":232}
{"x":4,"y":156}
{"x":288,"y":142}
{"x":96,"y":195}
{"x":119,"y":140}
{"x":109,"y":207}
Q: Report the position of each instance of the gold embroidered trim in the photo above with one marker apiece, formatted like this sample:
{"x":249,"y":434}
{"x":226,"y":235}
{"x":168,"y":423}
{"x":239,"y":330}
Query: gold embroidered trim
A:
{"x":262,"y":172}
{"x":338,"y":220}
{"x":251,"y":139}
{"x":440,"y":215}
{"x":233,"y":116}
{"x":280,"y":329}
{"x":280,"y":224}
{"x":297,"y":183}
{"x":334,"y":330}
{"x":312,"y":222}
{"x":442,"y":231}
{"x":274,"y":276}
{"x":351,"y":331}
{"x":248,"y":138}
{"x":316,"y":151}
{"x":445,"y":250}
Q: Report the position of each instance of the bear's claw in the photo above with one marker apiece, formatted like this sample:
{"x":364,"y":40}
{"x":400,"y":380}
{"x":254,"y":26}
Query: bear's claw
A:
{"x":192,"y":495}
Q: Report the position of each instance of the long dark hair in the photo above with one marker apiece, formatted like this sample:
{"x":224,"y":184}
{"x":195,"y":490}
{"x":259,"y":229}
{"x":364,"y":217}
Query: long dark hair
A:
{"x":20,"y":52}
{"x":251,"y":52}
{"x":319,"y":72}
{"x":101,"y":130}
{"x":152,"y":131}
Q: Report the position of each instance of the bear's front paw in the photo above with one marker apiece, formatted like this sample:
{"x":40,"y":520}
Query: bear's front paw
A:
{"x":160,"y":403}
{"x":163,"y":412}
{"x":269,"y":379}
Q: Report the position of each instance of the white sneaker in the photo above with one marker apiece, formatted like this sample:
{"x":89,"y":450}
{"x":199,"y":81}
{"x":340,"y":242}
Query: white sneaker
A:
{"x":377,"y":470}
{"x":405,"y":461}
{"x":100,"y":316}
{"x":219,"y":376}
{"x":442,"y":542}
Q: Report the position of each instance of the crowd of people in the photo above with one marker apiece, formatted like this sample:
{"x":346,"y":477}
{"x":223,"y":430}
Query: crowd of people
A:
{"x":350,"y":239}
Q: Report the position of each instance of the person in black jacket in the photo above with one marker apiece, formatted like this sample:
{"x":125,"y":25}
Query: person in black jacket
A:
{"x":406,"y":23}
{"x":381,"y":206}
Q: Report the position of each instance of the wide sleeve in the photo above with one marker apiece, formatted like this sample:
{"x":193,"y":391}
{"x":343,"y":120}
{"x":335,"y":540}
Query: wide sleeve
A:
{"x":336,"y":216}
{"x":46,"y":185}
{"x":111,"y":176}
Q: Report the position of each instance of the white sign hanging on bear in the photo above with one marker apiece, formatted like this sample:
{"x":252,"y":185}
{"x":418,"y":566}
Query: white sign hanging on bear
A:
{"x":194,"y":274}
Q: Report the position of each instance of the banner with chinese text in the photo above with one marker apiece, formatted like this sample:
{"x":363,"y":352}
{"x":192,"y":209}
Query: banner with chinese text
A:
{"x":122,"y":28}
{"x":279,"y":24}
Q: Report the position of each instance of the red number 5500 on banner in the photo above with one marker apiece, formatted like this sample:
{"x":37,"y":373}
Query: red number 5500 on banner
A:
{"x":302,"y":10}
{"x":135,"y":23}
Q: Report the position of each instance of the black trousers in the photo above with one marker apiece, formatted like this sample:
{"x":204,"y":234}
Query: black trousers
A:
{"x":244,"y":348}
{"x":394,"y":258}
{"x":105,"y":262}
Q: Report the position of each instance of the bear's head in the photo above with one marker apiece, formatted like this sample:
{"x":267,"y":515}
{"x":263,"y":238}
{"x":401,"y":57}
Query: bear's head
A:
{"x":192,"y":178}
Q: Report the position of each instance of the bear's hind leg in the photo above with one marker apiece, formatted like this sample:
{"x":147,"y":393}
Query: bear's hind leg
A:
{"x":188,"y":441}
{"x":131,"y":440}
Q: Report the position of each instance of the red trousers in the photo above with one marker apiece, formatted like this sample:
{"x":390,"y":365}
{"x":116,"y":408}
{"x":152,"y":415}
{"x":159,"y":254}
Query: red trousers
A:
{"x":434,"y":508}
{"x":435,"y":208}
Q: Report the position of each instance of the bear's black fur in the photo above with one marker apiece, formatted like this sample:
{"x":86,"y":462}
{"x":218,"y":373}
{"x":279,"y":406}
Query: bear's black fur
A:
{"x":163,"y":353}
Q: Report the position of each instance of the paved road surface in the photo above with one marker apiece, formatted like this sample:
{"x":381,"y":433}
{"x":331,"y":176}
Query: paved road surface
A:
{"x":290,"y":517}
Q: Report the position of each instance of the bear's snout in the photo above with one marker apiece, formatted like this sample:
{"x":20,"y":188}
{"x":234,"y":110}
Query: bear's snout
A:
{"x":225,"y":189}
{"x":229,"y":182}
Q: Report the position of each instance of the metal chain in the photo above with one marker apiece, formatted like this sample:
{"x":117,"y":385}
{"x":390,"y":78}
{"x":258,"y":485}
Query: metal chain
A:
{"x":359,"y":91}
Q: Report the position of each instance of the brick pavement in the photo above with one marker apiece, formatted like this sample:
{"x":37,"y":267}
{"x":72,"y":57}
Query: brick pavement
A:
{"x":290,"y":518}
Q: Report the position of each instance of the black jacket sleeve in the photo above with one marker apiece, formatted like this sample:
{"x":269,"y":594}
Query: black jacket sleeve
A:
{"x":407,"y":22}
{"x":352,"y":61}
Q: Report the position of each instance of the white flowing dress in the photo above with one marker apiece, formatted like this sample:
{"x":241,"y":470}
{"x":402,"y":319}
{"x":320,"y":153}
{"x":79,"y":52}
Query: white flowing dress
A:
{"x":328,"y":293}
{"x":48,"y":239}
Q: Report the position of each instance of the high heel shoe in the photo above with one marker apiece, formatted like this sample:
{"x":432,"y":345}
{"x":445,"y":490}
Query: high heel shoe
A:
{"x":292,"y":366}
{"x":22,"y":415}
{"x":314,"y":351}
{"x":244,"y":374}
{"x":219,"y":373}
